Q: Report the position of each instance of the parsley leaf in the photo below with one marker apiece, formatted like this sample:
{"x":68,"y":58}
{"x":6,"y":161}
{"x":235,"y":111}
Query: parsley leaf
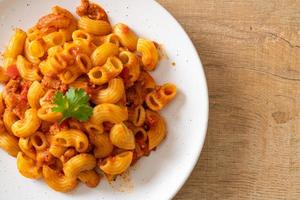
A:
{"x":75,"y":104}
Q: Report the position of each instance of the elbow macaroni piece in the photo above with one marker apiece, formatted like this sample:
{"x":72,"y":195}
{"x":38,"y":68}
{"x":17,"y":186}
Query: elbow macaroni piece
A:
{"x":111,"y":38}
{"x":9,"y":143}
{"x":67,"y":32}
{"x":46,"y":68}
{"x":39,"y":141}
{"x":96,"y":27}
{"x":126,"y":36}
{"x":69,"y":75}
{"x":27,"y":167}
{"x":79,"y":163}
{"x":45,"y":113}
{"x":16,"y":44}
{"x":53,"y":50}
{"x":33,"y":34}
{"x":81,"y":34}
{"x":36,"y":49}
{"x":117,"y":164}
{"x":122,"y":137}
{"x":90,"y":178}
{"x":56,"y":150}
{"x":140,"y":134}
{"x":68,"y":154}
{"x":137,"y":116}
{"x":157,"y":130}
{"x":103,"y":145}
{"x":93,"y":129}
{"x":103,"y":52}
{"x":9,"y":118}
{"x":148,"y":82}
{"x":131,"y":61}
{"x":85,"y":46}
{"x":72,"y":138}
{"x":159,"y":98}
{"x":57,"y":63}
{"x":27,"y":147}
{"x":34,"y":94}
{"x":83,"y":62}
{"x":100,"y":75}
{"x":27,"y":126}
{"x":112,"y":94}
{"x":109,"y":113}
{"x":57,"y":181}
{"x":33,"y":51}
{"x":113,"y":67}
{"x":149,"y":54}
{"x":54,"y":39}
{"x":27,"y":70}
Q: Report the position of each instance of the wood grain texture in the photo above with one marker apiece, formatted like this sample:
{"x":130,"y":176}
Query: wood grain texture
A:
{"x":251,"y":54}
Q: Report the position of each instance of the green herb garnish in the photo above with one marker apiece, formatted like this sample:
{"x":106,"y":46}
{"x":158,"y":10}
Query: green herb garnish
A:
{"x":75,"y":104}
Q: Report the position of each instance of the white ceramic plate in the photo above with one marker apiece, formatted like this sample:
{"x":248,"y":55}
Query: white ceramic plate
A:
{"x":163,"y":173}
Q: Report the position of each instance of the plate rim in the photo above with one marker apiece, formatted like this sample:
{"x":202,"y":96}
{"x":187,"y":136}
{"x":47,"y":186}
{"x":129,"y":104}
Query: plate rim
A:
{"x":205,"y":128}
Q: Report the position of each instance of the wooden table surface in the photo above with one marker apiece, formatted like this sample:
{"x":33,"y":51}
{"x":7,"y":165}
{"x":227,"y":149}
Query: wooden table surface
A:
{"x":250,"y":50}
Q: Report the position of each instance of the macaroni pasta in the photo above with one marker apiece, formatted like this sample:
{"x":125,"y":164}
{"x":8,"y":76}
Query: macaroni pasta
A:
{"x":79,"y":100}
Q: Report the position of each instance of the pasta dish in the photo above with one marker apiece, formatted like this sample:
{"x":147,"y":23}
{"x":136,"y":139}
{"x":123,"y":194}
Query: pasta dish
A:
{"x":79,"y":102}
